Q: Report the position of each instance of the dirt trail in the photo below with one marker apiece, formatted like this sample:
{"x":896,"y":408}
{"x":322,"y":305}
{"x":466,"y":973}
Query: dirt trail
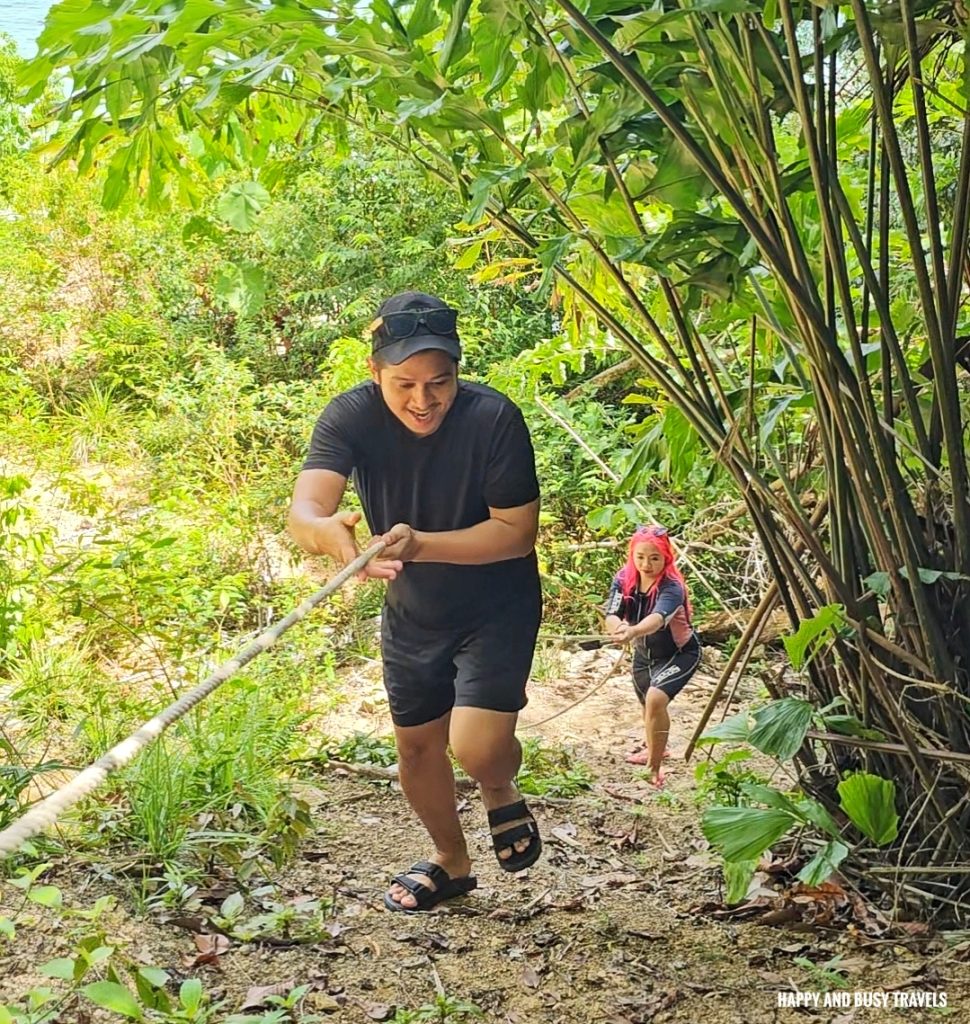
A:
{"x":615,"y":924}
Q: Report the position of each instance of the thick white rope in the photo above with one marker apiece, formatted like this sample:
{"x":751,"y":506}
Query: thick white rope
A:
{"x":589,"y":693}
{"x":44,"y":814}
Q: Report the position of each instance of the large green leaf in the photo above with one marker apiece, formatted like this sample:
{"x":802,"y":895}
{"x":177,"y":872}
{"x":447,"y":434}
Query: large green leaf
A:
{"x":744,"y":833}
{"x":678,"y":182}
{"x":190,"y":994}
{"x":241,"y":204}
{"x":870,"y":803}
{"x":849,"y":725}
{"x":780,"y":726}
{"x":737,"y":878}
{"x":824,"y":863}
{"x":111,"y":996}
{"x":450,"y":47}
{"x":241,"y":287}
{"x":814,"y":633}
{"x":736,"y":729}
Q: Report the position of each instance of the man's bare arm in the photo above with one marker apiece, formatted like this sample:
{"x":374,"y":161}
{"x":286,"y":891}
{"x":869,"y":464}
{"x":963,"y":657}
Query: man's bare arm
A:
{"x":507,"y":533}
{"x":318,"y":527}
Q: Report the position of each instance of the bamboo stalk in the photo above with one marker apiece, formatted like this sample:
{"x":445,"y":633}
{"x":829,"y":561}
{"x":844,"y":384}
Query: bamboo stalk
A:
{"x":889,"y":748}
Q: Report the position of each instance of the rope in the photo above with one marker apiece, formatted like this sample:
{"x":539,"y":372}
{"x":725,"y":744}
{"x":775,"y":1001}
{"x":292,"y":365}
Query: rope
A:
{"x":609,"y":675}
{"x":44,"y":814}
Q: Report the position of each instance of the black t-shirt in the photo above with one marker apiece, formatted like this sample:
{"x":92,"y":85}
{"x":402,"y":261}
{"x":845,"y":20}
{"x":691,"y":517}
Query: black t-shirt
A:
{"x":480,"y":457}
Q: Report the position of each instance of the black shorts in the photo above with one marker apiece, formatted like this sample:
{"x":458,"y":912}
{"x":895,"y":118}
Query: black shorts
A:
{"x":669,"y":675}
{"x":427,"y":672}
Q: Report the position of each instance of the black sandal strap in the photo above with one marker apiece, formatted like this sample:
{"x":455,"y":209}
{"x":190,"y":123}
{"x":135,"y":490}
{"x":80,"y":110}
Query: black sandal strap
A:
{"x":414,"y":886}
{"x":435,"y":872}
{"x":510,"y":812}
{"x":512,"y":834}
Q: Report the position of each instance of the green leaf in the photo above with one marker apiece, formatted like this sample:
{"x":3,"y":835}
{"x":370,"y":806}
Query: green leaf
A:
{"x":772,"y":797}
{"x":111,"y":996}
{"x":459,"y":13}
{"x":491,"y":36}
{"x":423,"y":20}
{"x":469,"y":257}
{"x":190,"y":994}
{"x":870,"y":801}
{"x":813,"y":812}
{"x":736,"y":729}
{"x":241,"y":204}
{"x":155,"y":976}
{"x":737,"y":879}
{"x":744,"y":833}
{"x":201,"y":227}
{"x":780,"y":727}
{"x":7,"y":927}
{"x":849,"y":725}
{"x":931,"y":576}
{"x":824,"y":863}
{"x":879,"y":583}
{"x":678,"y":182}
{"x":62,"y":968}
{"x":780,"y":406}
{"x":813,"y":634}
{"x":232,"y":905}
{"x":45,"y":895}
{"x":241,"y":287}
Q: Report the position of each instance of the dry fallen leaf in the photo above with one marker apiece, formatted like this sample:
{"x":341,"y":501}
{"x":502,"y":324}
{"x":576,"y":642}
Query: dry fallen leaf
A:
{"x":210,"y":948}
{"x":563,"y":835}
{"x":611,"y":879}
{"x":529,"y":977}
{"x":378,"y":1011}
{"x":258,"y":994}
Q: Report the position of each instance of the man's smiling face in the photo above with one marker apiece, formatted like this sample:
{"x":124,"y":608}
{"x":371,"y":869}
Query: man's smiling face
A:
{"x":420,"y":390}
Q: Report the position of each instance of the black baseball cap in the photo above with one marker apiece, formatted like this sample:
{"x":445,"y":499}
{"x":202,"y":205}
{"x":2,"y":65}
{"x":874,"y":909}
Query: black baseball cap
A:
{"x":431,"y":325}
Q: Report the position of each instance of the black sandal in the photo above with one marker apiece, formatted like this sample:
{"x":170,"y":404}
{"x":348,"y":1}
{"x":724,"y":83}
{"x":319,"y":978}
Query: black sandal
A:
{"x":446,"y":887}
{"x":505,"y":838}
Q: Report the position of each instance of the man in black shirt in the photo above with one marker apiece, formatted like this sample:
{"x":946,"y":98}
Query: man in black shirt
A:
{"x":445,"y":472}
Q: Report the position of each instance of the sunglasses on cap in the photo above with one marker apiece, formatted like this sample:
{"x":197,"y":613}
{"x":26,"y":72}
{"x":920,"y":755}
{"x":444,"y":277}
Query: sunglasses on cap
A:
{"x":400,"y":326}
{"x":653,"y":531}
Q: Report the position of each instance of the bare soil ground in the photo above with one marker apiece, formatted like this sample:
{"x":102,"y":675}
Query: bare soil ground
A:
{"x":620,"y":922}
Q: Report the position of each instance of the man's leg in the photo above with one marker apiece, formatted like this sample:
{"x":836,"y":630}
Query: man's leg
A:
{"x":429,"y":785}
{"x":485,"y":745}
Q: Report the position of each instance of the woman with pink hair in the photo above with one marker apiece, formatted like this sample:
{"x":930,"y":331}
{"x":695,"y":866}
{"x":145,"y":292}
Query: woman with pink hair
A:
{"x":649,"y":605}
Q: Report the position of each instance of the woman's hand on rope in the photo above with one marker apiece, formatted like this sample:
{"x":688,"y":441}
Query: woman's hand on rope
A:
{"x":623,"y":633}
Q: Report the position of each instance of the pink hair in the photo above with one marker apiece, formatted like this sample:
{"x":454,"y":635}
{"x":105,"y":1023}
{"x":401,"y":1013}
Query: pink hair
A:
{"x":630,"y":575}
